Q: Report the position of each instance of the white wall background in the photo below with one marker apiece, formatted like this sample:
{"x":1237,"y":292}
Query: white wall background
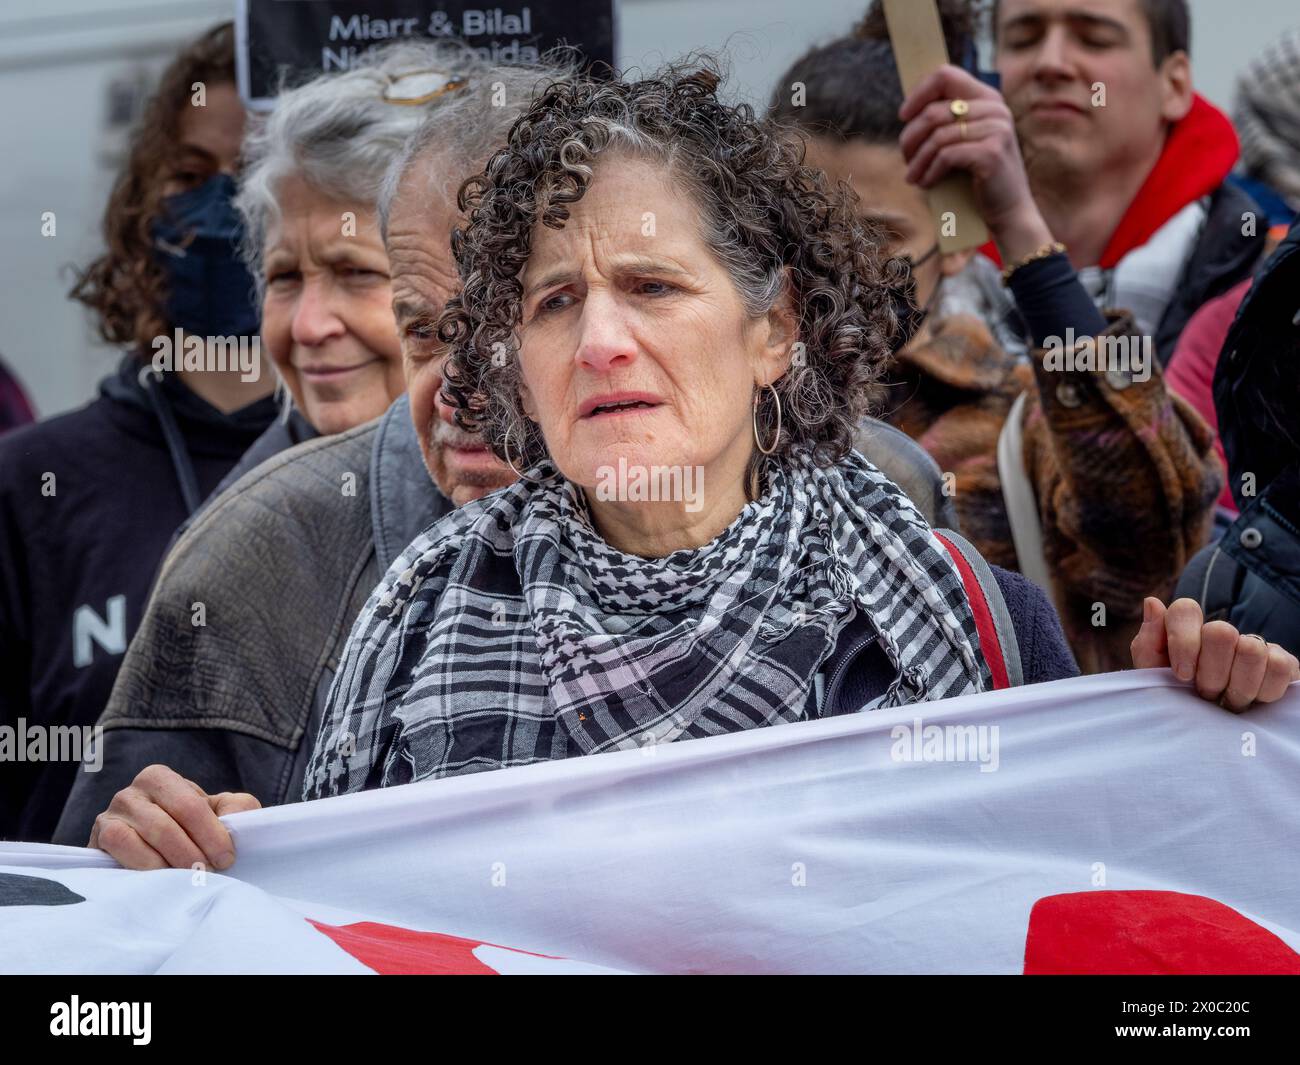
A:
{"x":58,"y":57}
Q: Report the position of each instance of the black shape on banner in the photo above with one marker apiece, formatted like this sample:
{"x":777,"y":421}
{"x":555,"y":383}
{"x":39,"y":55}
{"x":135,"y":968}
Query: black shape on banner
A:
{"x":18,"y":890}
{"x":309,"y":37}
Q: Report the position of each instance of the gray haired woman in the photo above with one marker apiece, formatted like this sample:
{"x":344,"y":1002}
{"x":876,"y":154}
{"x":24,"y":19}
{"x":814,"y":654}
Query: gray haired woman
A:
{"x":658,"y":294}
{"x":309,"y":196}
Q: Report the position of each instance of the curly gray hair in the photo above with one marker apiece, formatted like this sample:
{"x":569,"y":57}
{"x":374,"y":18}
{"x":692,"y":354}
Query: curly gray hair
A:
{"x":771,"y":221}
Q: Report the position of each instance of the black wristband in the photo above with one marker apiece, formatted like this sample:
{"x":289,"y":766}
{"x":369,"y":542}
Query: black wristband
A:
{"x":1051,"y":300}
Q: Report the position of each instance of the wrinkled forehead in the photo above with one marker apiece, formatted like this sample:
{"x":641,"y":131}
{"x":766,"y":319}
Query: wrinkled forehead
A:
{"x":304,"y":213}
{"x":421,"y":218}
{"x":633,"y":206}
{"x":425,"y":198}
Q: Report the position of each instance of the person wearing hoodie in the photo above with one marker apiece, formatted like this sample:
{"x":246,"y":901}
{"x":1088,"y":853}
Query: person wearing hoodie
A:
{"x":89,"y":500}
{"x":1251,"y":577}
{"x":1116,"y":476}
{"x":1126,"y":162}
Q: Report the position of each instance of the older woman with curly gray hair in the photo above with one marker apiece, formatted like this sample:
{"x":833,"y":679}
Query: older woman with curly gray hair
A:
{"x":670,"y":326}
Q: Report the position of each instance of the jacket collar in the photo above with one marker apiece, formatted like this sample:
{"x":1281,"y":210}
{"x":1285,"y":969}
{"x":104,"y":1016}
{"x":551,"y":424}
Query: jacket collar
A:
{"x":403,"y":498}
{"x":1199,"y":152}
{"x":207,"y":430}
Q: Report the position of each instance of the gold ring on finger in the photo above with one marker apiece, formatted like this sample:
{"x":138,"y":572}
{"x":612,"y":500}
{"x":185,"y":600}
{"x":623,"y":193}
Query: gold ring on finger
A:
{"x":959,"y":108}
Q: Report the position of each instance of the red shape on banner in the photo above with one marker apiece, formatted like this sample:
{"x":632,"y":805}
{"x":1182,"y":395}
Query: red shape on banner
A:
{"x":1151,"y":933}
{"x":394,"y":951}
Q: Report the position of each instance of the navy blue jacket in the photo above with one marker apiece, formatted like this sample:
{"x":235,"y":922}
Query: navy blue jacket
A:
{"x":88,"y":504}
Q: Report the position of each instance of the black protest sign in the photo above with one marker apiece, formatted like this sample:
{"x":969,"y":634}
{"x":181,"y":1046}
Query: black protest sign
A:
{"x":303,"y":38}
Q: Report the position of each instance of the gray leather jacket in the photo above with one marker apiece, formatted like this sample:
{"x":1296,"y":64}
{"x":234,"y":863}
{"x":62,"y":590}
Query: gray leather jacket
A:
{"x":232,"y":664}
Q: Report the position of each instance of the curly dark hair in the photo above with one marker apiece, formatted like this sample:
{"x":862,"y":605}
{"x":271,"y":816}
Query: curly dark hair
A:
{"x":125,"y":286}
{"x":774,"y":223}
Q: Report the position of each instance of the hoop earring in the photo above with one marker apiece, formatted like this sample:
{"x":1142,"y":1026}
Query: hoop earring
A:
{"x":757,"y":442}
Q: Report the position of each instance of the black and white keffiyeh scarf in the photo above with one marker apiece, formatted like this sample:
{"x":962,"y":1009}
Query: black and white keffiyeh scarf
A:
{"x":510,"y":632}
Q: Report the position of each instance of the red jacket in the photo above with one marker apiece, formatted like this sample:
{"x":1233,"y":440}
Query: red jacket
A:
{"x":1200,"y":151}
{"x":1190,"y":372}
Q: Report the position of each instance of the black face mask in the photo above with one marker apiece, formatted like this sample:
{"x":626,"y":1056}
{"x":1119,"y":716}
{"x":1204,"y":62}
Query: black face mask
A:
{"x":196,"y":241}
{"x":909,"y":315}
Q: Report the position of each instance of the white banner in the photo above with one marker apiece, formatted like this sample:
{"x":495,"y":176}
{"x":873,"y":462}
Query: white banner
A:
{"x":1105,"y":824}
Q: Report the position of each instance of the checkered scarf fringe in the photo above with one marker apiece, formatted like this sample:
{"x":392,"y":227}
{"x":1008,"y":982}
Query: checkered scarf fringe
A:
{"x":510,"y":632}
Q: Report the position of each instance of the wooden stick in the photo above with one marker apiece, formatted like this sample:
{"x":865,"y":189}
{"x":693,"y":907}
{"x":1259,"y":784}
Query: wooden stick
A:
{"x":917,"y":36}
